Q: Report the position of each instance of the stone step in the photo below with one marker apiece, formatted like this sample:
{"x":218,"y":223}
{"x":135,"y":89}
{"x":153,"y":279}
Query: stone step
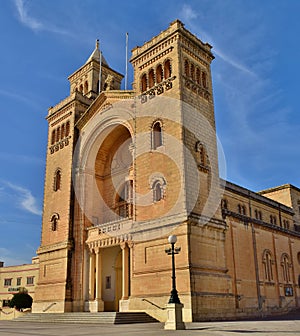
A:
{"x":102,"y":317}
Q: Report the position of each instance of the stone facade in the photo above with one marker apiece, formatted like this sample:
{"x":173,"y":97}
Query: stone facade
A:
{"x":127,"y":168}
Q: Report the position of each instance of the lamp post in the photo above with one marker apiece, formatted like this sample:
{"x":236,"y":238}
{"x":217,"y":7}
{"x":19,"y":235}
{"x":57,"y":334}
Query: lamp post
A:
{"x":172,"y":251}
{"x":174,"y":306}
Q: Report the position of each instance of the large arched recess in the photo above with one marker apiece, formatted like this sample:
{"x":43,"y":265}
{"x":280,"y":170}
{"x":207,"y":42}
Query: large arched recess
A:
{"x":114,"y":175}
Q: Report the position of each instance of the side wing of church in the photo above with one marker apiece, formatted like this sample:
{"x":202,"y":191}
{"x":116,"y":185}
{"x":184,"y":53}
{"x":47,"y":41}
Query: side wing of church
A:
{"x":127,"y":168}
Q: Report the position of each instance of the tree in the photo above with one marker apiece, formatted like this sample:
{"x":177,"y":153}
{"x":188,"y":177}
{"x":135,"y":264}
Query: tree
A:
{"x":21,"y":301}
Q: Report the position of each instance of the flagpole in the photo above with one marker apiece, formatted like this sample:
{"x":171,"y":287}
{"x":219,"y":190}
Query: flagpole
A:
{"x":126,"y":67}
{"x":100,"y":69}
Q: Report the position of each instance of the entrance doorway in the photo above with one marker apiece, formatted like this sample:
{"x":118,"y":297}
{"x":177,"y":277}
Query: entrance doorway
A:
{"x":112,"y":278}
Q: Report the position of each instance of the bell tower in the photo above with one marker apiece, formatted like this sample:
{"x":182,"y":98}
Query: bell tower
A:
{"x":173,"y":83}
{"x":58,"y":251}
{"x":88,"y":77}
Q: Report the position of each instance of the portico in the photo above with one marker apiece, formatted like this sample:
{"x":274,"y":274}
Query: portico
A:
{"x":108,"y":286}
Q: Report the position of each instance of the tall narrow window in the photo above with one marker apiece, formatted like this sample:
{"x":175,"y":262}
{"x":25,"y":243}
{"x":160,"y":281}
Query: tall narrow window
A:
{"x":202,"y":155}
{"x":241,"y":209}
{"x":54,"y":222}
{"x":198,"y":76}
{"x":267,"y":261}
{"x":86,"y":87}
{"x":224,"y":204}
{"x":57,"y":133}
{"x":144,"y":83}
{"x":156,"y":135}
{"x":151,"y":78}
{"x":159,"y":74}
{"x":192,"y":71}
{"x":204,"y":80}
{"x":53,"y":137}
{"x":167,"y":69}
{"x":285,"y":268}
{"x":186,"y":68}
{"x":62,"y":131}
{"x":258,"y":214}
{"x":157,"y":191}
{"x":67,"y":128}
{"x":124,"y":200}
{"x":57,"y":180}
{"x":81,"y":88}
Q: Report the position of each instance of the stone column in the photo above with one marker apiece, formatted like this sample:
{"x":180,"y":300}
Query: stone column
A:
{"x":85,"y":284}
{"x":125,"y":270}
{"x":92,"y":277}
{"x":98,"y":294}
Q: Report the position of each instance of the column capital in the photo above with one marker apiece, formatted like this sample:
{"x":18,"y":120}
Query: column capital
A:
{"x":130,"y":244}
{"x":123,"y":245}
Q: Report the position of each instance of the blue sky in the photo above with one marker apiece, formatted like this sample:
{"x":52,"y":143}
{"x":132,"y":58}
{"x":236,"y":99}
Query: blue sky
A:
{"x":255,"y":81}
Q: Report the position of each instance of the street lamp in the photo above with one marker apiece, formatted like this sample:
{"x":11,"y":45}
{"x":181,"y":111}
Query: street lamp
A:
{"x":172,"y":251}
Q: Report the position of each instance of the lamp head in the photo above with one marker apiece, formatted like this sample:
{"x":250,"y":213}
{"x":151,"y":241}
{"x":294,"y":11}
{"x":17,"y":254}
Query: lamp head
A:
{"x":172,"y":239}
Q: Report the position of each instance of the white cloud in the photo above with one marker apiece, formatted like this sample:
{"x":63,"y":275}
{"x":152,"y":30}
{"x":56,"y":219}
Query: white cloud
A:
{"x":25,"y":18}
{"x":34,"y":24}
{"x":188,"y":13}
{"x":21,"y":98}
{"x":25,"y":199}
{"x":233,"y":63}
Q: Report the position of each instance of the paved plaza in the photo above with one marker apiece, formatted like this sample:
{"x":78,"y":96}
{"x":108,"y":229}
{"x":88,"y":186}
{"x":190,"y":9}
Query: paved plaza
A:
{"x":253,"y":328}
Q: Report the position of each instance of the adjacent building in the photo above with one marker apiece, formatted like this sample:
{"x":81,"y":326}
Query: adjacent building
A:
{"x":14,"y":279}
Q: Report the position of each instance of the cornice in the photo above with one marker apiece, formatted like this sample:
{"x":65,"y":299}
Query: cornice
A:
{"x":55,"y":247}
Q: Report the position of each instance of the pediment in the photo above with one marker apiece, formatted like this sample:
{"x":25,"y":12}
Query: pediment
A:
{"x":103,"y":102}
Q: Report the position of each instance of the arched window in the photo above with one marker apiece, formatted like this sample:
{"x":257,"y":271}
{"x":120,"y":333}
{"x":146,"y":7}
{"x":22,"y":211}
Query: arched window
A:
{"x":258,"y":214}
{"x":202,"y":155}
{"x":167,"y":69}
{"x":67,"y":128}
{"x":159,"y":74}
{"x":241,"y":209}
{"x":192,"y":71}
{"x":198,"y":76}
{"x":273,"y":219}
{"x":86,"y":87}
{"x":286,"y":224}
{"x":224,"y":204}
{"x":144,"y":83}
{"x":54,"y":222}
{"x":204,"y":80}
{"x":57,"y":180}
{"x":81,"y":88}
{"x":157,"y":191}
{"x":156,"y":135}
{"x":124,"y":200}
{"x":186,"y":68}
{"x":285,"y":268}
{"x":57,"y":133}
{"x":268,"y":263}
{"x":151,"y":78}
{"x":53,"y":137}
{"x":200,"y":148}
{"x":62,"y":131}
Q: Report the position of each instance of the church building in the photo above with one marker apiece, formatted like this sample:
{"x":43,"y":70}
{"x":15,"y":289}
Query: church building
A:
{"x":126,"y":169}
